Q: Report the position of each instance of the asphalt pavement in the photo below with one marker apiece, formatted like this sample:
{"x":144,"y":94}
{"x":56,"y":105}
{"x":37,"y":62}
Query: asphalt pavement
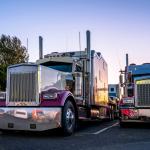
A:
{"x":90,"y":136}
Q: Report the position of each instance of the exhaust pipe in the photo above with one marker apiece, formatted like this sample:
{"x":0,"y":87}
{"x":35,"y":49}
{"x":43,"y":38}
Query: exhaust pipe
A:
{"x":126,"y":74}
{"x":127,"y":60}
{"x":88,"y":69}
{"x":88,"y":51}
{"x":40,"y":47}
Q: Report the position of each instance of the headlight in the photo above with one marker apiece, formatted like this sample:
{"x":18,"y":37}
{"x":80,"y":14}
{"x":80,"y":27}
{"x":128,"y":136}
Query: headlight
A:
{"x":48,"y":96}
{"x":129,"y":100}
{"x":2,"y":95}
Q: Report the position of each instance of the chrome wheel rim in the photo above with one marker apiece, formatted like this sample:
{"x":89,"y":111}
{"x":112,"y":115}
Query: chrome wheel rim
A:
{"x":70,"y":118}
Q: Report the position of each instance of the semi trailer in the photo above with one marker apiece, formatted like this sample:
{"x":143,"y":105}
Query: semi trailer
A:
{"x":57,"y":91}
{"x":135,"y":102}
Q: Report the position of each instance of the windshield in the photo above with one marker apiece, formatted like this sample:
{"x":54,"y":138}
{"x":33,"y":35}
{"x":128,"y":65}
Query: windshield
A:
{"x":60,"y":66}
{"x":64,"y":68}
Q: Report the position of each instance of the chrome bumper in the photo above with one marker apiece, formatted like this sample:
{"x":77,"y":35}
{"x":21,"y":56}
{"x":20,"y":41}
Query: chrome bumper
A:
{"x":135,"y":121}
{"x":135,"y":115}
{"x":30,"y":118}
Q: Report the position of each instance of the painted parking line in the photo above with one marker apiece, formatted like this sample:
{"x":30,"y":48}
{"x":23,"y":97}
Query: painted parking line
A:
{"x":104,"y":129}
{"x":97,"y":132}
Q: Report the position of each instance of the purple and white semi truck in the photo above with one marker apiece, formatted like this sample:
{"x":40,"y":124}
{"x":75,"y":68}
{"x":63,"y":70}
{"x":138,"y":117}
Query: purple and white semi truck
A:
{"x":56,"y":91}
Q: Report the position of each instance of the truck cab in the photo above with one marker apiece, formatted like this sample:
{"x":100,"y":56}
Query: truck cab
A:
{"x":57,"y":90}
{"x":135,"y":104}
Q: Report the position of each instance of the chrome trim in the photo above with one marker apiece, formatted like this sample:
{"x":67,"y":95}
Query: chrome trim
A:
{"x":22,"y":85}
{"x":23,"y":118}
{"x":142,"y":92}
{"x":134,"y":121}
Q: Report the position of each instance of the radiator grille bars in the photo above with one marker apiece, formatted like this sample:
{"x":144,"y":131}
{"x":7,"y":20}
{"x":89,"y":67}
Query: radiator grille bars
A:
{"x":23,"y":87}
{"x":143,"y":94}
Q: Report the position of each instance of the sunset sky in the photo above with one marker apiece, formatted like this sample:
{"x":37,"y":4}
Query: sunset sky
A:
{"x":117,"y":27}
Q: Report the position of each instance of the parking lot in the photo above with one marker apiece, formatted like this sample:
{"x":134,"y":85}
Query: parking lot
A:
{"x":89,"y":136}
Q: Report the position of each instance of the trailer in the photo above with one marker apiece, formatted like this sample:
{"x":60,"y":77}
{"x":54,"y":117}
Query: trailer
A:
{"x":57,"y":91}
{"x":135,"y":103}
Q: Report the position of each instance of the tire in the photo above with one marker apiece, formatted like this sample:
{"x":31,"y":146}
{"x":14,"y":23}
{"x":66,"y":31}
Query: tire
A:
{"x":68,"y":119}
{"x":122,"y":124}
{"x":111,"y":115}
{"x":116,"y":115}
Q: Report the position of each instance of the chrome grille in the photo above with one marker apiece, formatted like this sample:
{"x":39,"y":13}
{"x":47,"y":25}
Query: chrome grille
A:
{"x":23,"y":87}
{"x":143,"y":93}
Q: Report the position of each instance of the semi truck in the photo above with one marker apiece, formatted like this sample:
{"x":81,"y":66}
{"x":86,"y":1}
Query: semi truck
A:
{"x":135,"y":102}
{"x":66,"y":87}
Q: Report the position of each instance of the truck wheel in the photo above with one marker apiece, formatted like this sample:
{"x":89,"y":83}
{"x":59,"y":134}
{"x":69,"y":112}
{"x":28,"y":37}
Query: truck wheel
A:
{"x":111,"y":116}
{"x":68,"y":118}
{"x":122,"y":124}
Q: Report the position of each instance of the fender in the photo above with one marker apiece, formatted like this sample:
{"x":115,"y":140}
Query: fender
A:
{"x":63,"y":97}
{"x":2,"y":102}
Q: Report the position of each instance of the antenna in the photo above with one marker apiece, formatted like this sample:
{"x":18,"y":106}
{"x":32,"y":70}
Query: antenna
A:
{"x":27,"y":50}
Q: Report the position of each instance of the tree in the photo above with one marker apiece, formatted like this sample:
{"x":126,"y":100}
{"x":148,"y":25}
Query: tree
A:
{"x":3,"y":70}
{"x":11,"y":52}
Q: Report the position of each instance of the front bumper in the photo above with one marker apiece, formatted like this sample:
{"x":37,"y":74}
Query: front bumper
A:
{"x":134,"y":115}
{"x":30,"y":118}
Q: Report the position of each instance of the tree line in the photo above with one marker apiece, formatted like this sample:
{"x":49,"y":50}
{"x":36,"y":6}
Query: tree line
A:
{"x":11,"y":52}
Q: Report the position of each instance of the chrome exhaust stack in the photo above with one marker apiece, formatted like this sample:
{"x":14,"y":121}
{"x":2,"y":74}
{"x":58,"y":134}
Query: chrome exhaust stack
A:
{"x":40,"y":47}
{"x":88,"y":69}
{"x":126,"y":73}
